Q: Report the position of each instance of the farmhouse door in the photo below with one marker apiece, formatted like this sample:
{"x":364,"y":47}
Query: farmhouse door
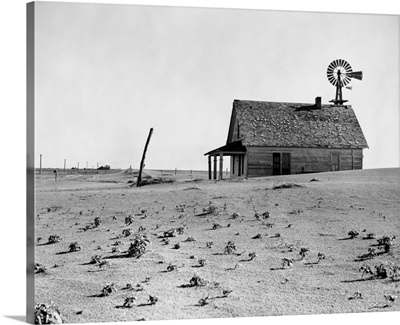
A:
{"x":285,"y":163}
{"x":276,"y":163}
{"x":335,"y":162}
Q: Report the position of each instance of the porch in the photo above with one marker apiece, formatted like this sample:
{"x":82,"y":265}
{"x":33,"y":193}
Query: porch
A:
{"x":237,"y":152}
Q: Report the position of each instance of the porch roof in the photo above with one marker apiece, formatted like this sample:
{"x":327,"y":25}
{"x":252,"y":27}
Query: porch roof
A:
{"x":233,"y":148}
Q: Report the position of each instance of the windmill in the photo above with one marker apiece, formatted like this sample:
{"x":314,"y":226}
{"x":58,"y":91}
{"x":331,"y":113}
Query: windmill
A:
{"x":339,"y":74}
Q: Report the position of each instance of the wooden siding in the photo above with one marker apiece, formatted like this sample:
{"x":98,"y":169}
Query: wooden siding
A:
{"x":307,"y":160}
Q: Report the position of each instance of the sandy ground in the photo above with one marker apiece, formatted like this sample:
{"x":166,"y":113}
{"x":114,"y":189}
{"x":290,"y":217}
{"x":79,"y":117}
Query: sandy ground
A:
{"x":317,"y":215}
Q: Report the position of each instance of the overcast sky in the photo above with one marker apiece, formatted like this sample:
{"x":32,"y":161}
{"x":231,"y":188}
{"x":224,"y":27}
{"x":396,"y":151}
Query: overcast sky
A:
{"x":106,"y":74}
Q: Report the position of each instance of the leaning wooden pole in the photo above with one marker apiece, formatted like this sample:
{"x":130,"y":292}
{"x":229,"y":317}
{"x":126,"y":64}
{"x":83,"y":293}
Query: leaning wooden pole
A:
{"x":139,"y":179}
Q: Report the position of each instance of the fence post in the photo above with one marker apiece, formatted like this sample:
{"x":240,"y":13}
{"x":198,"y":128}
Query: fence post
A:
{"x":139,"y":179}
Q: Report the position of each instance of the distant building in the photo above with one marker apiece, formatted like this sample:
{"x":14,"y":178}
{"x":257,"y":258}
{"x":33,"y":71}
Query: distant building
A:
{"x":273,"y":138}
{"x":106,"y":167}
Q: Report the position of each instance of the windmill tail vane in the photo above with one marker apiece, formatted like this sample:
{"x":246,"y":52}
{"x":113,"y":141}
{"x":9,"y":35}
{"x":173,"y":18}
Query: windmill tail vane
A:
{"x":339,"y":74}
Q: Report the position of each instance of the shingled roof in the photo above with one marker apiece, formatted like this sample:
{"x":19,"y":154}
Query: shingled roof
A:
{"x":276,"y":124}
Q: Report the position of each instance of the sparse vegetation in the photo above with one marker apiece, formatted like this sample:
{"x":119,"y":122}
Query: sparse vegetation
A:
{"x":230,"y":248}
{"x":126,"y":232}
{"x":204,"y":301}
{"x":152,"y":300}
{"x":138,"y":247}
{"x":96,"y":259}
{"x":365,"y":269}
{"x":286,"y":262}
{"x":108,"y":289}
{"x":202,"y":262}
{"x":386,"y":243}
{"x":129,"y":220}
{"x":129,"y":302}
{"x":303,"y":252}
{"x":320,"y":257}
{"x":74,"y":247}
{"x":197,"y":281}
{"x":390,"y":299}
{"x":47,"y":314}
{"x":54,"y":239}
{"x":40,"y":268}
{"x":353,"y":234}
{"x":172,"y":267}
{"x":219,"y":257}
{"x":97,"y":222}
{"x":216,"y":226}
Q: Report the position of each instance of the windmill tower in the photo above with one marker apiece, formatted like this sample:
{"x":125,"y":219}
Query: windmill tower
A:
{"x":339,"y":74}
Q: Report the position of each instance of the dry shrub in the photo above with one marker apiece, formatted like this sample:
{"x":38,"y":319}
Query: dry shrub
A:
{"x":54,"y":239}
{"x":230,"y":248}
{"x":172,"y":267}
{"x":170,"y":233}
{"x":353,"y":234}
{"x":128,"y":303}
{"x":126,"y":232}
{"x":286,"y":261}
{"x":303,"y":252}
{"x":266,"y":215}
{"x":386,"y":243}
{"x":252,"y":256}
{"x":235,"y":215}
{"x":95,"y":259}
{"x":74,"y":247}
{"x":40,"y":268}
{"x":152,"y":300}
{"x":383,"y":271}
{"x":138,"y":247}
{"x":226,"y":292}
{"x":108,"y":289}
{"x":286,"y":185}
{"x":370,"y":235}
{"x":390,"y":299}
{"x":181,"y":230}
{"x":321,"y":257}
{"x":197,"y":281}
{"x":365,"y":269}
{"x":129,"y":220}
{"x":189,"y":239}
{"x":216,"y":226}
{"x":47,"y":314}
{"x":204,"y":301}
{"x":97,"y":222}
{"x":202,"y":262}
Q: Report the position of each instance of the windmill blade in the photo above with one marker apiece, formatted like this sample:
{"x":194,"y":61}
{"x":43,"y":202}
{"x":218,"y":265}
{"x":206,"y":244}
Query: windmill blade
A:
{"x":349,"y":87}
{"x":355,"y":74}
{"x":347,"y":67}
{"x":332,"y":80}
{"x":332,"y":65}
{"x":346,"y":80}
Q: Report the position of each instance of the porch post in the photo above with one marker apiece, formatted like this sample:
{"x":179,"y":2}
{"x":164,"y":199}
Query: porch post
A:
{"x":221,"y":165}
{"x":209,"y":167}
{"x":215,"y":167}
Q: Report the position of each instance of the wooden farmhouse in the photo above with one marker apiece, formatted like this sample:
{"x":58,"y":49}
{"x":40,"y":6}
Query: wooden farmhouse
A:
{"x":273,"y":138}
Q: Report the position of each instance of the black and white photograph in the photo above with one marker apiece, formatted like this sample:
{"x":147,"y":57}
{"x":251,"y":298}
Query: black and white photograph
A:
{"x":205,"y":163}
